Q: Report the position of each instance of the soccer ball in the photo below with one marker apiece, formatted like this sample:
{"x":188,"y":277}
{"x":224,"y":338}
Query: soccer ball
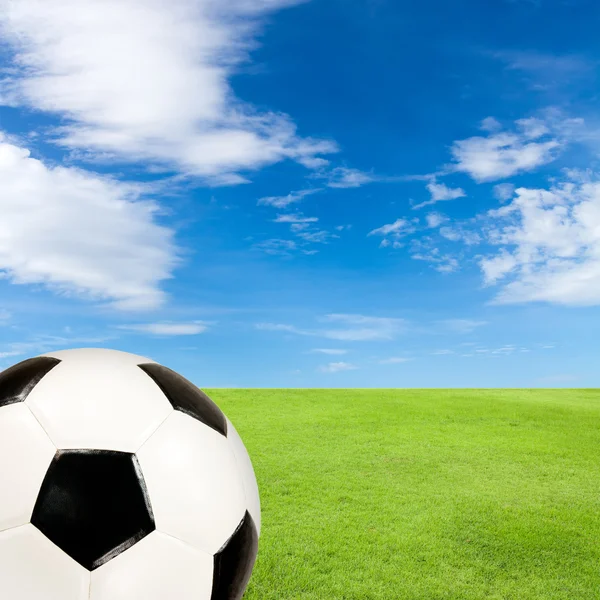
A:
{"x":120,"y":480}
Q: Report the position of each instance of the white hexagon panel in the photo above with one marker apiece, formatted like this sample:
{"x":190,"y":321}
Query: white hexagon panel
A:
{"x":181,"y":446}
{"x":33,"y":568}
{"x":121,"y":480}
{"x":25,"y":454}
{"x":158,"y":567}
{"x":246,"y":470}
{"x":97,"y":398}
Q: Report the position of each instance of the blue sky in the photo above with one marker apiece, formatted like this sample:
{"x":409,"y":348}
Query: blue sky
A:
{"x":277,"y":193}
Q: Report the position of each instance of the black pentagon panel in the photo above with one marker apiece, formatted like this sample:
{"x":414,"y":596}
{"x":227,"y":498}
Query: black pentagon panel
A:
{"x":93,"y":504}
{"x":17,"y":381}
{"x":186,"y":397}
{"x":234,"y":561}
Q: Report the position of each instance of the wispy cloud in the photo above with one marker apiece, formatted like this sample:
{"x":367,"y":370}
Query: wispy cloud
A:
{"x":168,"y":328}
{"x":546,"y":71}
{"x":444,"y":263}
{"x":435,"y":219}
{"x":343,"y":177}
{"x":295,"y":219}
{"x":461,"y":325}
{"x":346,"y":177}
{"x":504,"y":191}
{"x":490,"y":124}
{"x":179,"y":111}
{"x":277,"y":247}
{"x":329,"y":351}
{"x":291,"y":198}
{"x":456,"y":234}
{"x":302,"y":228}
{"x":393,"y":232}
{"x":80,"y":233}
{"x":46,"y":343}
{"x":440,"y":192}
{"x":354,"y":327}
{"x":336,"y":367}
{"x":394,"y":360}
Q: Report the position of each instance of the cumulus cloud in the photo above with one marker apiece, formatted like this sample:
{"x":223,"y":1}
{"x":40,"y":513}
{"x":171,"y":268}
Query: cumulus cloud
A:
{"x":502,"y":154}
{"x":148,"y":80}
{"x":80,"y":233}
{"x":549,"y":246}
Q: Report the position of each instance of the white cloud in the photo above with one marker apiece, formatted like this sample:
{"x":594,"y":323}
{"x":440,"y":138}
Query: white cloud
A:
{"x":504,"y":191}
{"x":45,"y":343}
{"x":394,"y":360}
{"x":81,"y":233}
{"x":435,"y":219}
{"x":533,"y":128}
{"x":357,"y":328}
{"x":396,"y":230}
{"x":336,"y":367}
{"x":501,"y":155}
{"x":547,"y":71}
{"x":444,"y":263}
{"x":148,"y":80}
{"x":319,"y":236}
{"x":490,"y":124}
{"x":329,"y":351}
{"x":168,"y":329}
{"x":291,"y":198}
{"x":439,"y":193}
{"x":443,"y":352}
{"x":462,"y":325}
{"x":364,"y":328}
{"x":280,"y":327}
{"x":343,"y":177}
{"x":5,"y":315}
{"x":498,"y":266}
{"x":450,"y":234}
{"x":549,"y":246}
{"x":295,"y":219}
{"x":277,"y":247}
{"x":301,"y":227}
{"x":468,"y":237}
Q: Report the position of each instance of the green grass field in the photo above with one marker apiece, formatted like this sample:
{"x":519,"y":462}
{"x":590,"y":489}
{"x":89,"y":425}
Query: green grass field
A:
{"x":424,"y":494}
